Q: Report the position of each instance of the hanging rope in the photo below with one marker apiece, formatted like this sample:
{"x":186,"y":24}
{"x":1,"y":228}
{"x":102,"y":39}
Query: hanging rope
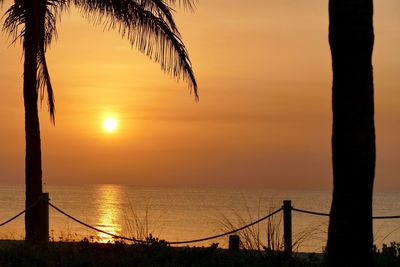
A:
{"x":176,"y":242}
{"x":386,"y":217}
{"x":95,"y":228}
{"x":227,"y":233}
{"x":311,"y":212}
{"x":171,"y":243}
{"x":327,"y":214}
{"x":22,"y":212}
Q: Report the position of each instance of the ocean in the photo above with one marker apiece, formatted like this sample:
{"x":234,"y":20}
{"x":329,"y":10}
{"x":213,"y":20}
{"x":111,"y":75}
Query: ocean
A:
{"x":178,"y":214}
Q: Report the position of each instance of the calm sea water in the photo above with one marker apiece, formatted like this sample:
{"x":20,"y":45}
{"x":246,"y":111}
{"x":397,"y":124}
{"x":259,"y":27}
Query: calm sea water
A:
{"x":177,"y":214}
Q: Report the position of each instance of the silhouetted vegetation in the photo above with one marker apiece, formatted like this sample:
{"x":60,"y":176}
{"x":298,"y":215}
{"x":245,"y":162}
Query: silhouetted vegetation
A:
{"x":119,"y":254}
{"x":159,"y":253}
{"x":388,"y":255}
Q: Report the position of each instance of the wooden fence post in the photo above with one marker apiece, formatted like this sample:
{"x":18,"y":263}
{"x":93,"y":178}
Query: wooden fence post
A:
{"x":287,"y":228}
{"x":234,"y":242}
{"x":44,"y":218}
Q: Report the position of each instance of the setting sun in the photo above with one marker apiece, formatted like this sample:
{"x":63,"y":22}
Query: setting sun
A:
{"x":110,"y":125}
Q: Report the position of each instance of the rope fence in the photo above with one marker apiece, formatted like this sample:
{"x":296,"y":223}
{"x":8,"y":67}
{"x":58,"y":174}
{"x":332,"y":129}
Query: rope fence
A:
{"x":327,"y":214}
{"x":171,"y":243}
{"x":311,"y":212}
{"x":95,"y":228}
{"x":228,"y":233}
{"x":386,"y":217}
{"x":22,"y":212}
{"x":13,"y":218}
{"x":287,"y":208}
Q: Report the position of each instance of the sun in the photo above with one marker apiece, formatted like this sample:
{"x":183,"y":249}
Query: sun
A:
{"x":110,"y":125}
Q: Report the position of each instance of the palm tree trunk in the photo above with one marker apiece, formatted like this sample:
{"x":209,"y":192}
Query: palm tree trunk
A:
{"x":33,"y":162}
{"x":351,"y":38}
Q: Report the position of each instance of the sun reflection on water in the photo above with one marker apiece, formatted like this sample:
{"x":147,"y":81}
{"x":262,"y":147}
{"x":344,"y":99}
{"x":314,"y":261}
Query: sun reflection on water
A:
{"x":108,"y":197}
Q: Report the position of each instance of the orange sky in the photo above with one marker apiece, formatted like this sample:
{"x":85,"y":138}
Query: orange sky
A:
{"x":263,"y":119}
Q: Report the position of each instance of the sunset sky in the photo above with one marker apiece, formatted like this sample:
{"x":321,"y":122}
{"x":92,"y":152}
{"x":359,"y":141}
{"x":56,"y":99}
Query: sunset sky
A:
{"x":264,"y":116}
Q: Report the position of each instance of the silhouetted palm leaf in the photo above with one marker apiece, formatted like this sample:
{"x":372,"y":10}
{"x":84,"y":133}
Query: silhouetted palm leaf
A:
{"x":47,"y":13}
{"x":148,"y":25}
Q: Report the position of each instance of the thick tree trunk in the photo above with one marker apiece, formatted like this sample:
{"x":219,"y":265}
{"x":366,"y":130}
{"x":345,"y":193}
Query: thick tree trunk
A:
{"x":351,"y":37}
{"x":33,"y":162}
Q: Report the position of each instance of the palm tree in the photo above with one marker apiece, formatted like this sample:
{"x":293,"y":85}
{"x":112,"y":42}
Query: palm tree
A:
{"x":148,"y":25}
{"x":351,"y":37}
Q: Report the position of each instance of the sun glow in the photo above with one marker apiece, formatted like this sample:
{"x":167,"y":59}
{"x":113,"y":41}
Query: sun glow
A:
{"x":110,"y":125}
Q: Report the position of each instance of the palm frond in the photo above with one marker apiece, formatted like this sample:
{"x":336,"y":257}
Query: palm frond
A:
{"x":47,"y":31}
{"x":44,"y":83}
{"x":14,"y":23}
{"x":46,"y":13}
{"x":162,"y":10}
{"x":188,"y":4}
{"x":149,"y":26}
{"x":51,"y":13}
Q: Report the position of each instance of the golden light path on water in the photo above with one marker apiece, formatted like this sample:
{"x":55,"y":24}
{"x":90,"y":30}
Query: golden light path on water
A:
{"x":108,"y":197}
